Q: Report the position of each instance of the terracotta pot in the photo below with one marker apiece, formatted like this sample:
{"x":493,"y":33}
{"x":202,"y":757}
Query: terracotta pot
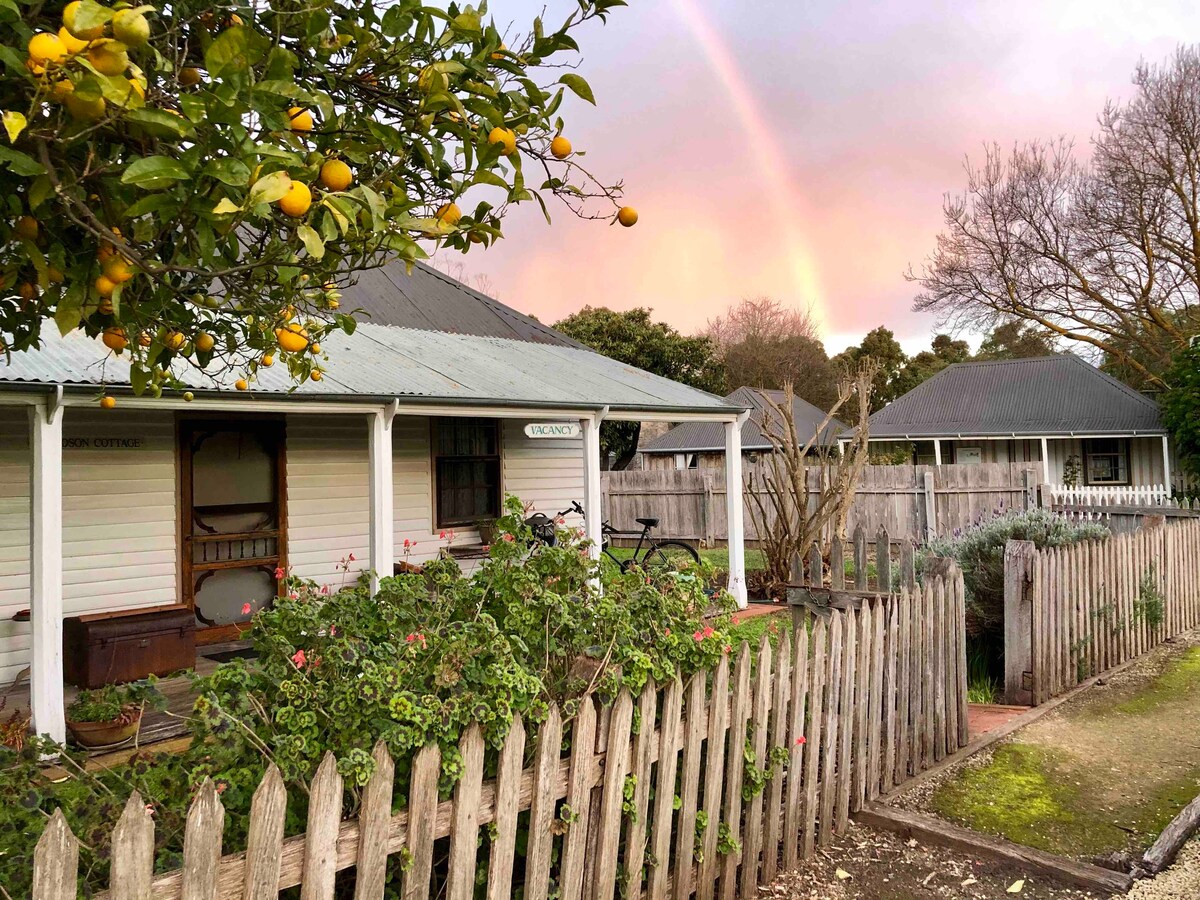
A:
{"x":104,"y":734}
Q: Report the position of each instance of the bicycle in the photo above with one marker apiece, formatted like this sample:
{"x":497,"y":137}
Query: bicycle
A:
{"x":648,"y":554}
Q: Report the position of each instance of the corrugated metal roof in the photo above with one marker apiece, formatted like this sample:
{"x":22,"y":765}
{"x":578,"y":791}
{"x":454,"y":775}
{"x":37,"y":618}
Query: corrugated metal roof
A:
{"x":703,"y":437}
{"x":424,"y":337}
{"x":1052,"y":395}
{"x":432,"y":301}
{"x":381,"y":361}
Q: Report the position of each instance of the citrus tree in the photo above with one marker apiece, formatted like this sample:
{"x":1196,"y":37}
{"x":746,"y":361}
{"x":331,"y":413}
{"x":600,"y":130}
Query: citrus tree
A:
{"x":194,"y":184}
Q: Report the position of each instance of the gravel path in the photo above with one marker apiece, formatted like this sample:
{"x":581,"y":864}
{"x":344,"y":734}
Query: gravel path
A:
{"x":1180,"y":882}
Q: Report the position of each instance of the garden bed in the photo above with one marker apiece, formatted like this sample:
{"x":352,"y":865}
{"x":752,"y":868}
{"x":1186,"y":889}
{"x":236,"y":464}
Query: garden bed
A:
{"x":1097,"y":778}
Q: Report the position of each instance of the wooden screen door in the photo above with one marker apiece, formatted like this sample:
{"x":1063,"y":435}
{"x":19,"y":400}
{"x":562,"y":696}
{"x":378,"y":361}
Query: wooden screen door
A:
{"x":234,"y":521}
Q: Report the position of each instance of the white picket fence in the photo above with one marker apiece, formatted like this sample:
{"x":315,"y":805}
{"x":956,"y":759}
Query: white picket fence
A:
{"x":1142,"y":495}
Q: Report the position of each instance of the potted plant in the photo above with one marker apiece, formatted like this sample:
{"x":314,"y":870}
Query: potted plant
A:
{"x":487,"y":531}
{"x":110,"y":715}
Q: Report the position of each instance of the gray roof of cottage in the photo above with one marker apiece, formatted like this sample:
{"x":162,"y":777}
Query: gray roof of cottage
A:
{"x":1047,"y":397}
{"x":705,"y":437}
{"x":422,"y":337}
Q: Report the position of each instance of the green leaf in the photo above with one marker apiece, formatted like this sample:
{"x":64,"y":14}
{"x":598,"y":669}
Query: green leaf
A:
{"x":14,"y":124}
{"x":20,"y":163}
{"x":580,"y":86}
{"x":232,"y":172}
{"x":69,"y":311}
{"x":152,"y":203}
{"x":312,"y":241}
{"x":89,"y":15}
{"x":235,"y":49}
{"x":484,"y":176}
{"x":154,"y":173}
{"x":138,"y":379}
{"x":161,"y":122}
{"x":269,"y":188}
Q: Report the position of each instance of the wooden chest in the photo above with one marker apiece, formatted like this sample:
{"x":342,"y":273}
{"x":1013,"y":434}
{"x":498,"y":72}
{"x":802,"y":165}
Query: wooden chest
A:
{"x":114,"y":647}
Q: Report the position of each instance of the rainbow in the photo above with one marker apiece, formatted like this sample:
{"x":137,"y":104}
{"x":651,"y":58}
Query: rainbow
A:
{"x":784,"y":198}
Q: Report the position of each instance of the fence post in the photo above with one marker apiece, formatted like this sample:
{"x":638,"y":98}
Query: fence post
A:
{"x":860,"y":559}
{"x":930,"y":508}
{"x":1018,"y":623}
{"x":883,"y":561}
{"x":1030,"y":490}
{"x":706,"y":513}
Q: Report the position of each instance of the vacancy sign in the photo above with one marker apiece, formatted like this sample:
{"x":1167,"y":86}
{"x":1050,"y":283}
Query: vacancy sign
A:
{"x":552,"y":430}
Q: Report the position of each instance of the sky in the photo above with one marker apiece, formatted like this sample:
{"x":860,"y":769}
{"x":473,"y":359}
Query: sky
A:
{"x":803,"y":150}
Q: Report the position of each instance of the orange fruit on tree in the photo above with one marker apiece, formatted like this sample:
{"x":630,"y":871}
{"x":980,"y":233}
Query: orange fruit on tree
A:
{"x":189,"y":76}
{"x":204,"y":342}
{"x":174,"y":340}
{"x":54,"y":275}
{"x":560,"y":147}
{"x":26,"y":227}
{"x":504,"y":138}
{"x":107,"y":402}
{"x":68,"y":18}
{"x":130,"y":28}
{"x":83,"y":109}
{"x":108,"y":57}
{"x":315,"y":375}
{"x":297,"y":200}
{"x":300,"y":119}
{"x":61,"y":89}
{"x":114,"y":338}
{"x":293,"y":339}
{"x":27,"y":290}
{"x":46,"y":48}
{"x":105,"y":286}
{"x":73,"y":44}
{"x":336,"y":175}
{"x":448,"y":214}
{"x":627,"y":216}
{"x":116,"y":269}
{"x":315,"y":348}
{"x":267,"y":360}
{"x":144,"y":339}
{"x":241,"y":384}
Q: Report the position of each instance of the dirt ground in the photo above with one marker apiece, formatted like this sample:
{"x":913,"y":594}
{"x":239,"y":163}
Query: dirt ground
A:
{"x":876,"y":865}
{"x":1102,"y":774}
{"x":880,"y":866}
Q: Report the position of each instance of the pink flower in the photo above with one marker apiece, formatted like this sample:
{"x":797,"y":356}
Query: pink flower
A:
{"x":293,"y":595}
{"x":407,"y":543}
{"x":667,"y":632}
{"x":279,"y":573}
{"x":728,"y":648}
{"x":324,"y":589}
{"x":246,"y":608}
{"x":487,"y":548}
{"x":708,"y":632}
{"x":735,"y":620}
{"x":150,"y":809}
{"x":411,"y":638}
{"x":800,"y":741}
{"x":508,"y":538}
{"x":697,"y":637}
{"x":350,"y":557}
{"x":333,"y":631}
{"x":299,"y":659}
{"x":442,"y":535}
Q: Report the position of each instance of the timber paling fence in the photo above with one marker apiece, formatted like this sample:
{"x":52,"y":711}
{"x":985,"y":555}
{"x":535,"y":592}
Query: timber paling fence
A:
{"x":912,"y":503}
{"x":706,"y":788}
{"x":1074,"y":612}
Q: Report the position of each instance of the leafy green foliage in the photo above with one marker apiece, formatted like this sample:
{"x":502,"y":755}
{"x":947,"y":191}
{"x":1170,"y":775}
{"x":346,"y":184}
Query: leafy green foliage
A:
{"x":633,"y":337}
{"x":979,"y":552}
{"x":1181,"y":406}
{"x":1016,"y":340}
{"x":174,"y":190}
{"x":111,"y":702}
{"x":1149,"y":606}
{"x":416,"y":662}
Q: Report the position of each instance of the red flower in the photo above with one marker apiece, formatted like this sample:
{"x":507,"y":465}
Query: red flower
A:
{"x":735,"y":620}
{"x":294,"y":595}
{"x":279,"y":573}
{"x":298,"y":659}
{"x":333,"y":631}
{"x":441,"y":535}
{"x":697,"y":636}
{"x":324,"y":589}
{"x":708,"y":632}
{"x":246,"y":608}
{"x":728,"y":648}
{"x":667,"y":632}
{"x":350,"y":557}
{"x":407,"y":543}
{"x":801,"y":740}
{"x":507,"y":538}
{"x":411,"y":638}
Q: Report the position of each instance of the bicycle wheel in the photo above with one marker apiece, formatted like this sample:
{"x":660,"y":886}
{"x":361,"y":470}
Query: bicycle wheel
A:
{"x":670,"y":556}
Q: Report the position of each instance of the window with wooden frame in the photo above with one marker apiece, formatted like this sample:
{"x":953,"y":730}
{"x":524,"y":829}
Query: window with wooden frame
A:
{"x":1106,"y":461}
{"x":466,"y":470}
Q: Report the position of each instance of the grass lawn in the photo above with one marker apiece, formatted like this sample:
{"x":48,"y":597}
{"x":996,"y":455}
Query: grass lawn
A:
{"x":751,"y":629}
{"x":1104,"y":772}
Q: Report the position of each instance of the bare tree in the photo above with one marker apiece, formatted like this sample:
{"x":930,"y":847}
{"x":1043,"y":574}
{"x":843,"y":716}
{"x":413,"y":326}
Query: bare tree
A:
{"x":1105,"y":251}
{"x":763,"y":344}
{"x":457,"y":269}
{"x":790,"y":513}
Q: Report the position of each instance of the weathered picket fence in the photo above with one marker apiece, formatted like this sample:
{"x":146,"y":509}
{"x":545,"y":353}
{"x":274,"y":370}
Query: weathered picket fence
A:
{"x":864,"y":563}
{"x":857,"y":702}
{"x":1074,"y":612}
{"x":1113,"y":495}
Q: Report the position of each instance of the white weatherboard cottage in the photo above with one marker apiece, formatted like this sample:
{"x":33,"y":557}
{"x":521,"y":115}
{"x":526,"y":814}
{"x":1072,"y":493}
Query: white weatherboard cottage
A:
{"x":440,"y":403}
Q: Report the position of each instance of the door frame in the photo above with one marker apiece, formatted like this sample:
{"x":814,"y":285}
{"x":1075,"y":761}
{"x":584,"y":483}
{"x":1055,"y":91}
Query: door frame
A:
{"x":274,"y":429}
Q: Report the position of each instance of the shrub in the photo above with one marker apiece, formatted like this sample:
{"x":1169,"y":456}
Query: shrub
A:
{"x":418,"y":661}
{"x":979,"y":551}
